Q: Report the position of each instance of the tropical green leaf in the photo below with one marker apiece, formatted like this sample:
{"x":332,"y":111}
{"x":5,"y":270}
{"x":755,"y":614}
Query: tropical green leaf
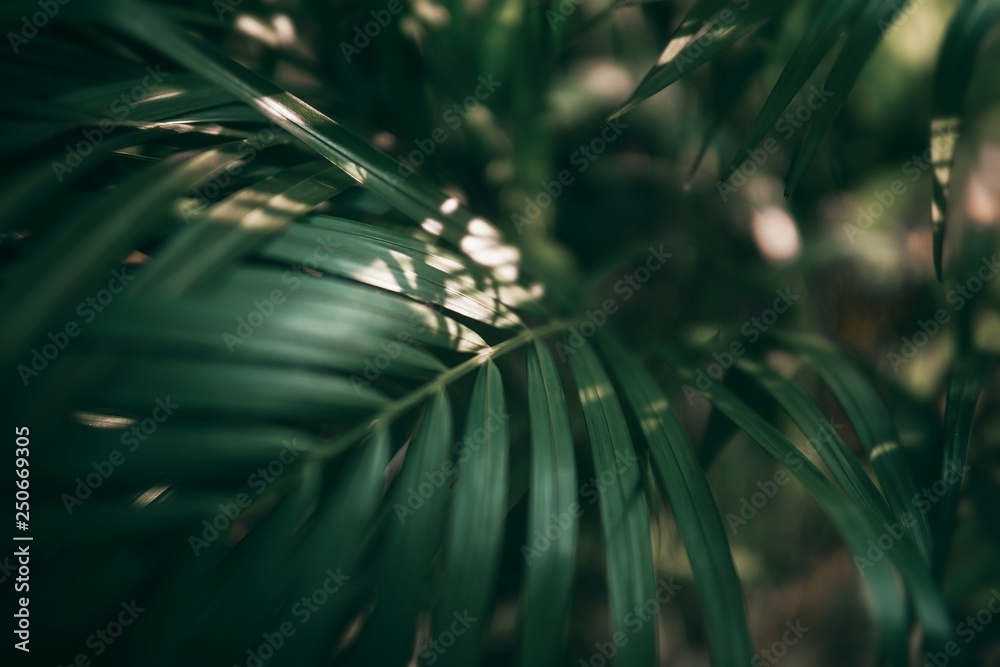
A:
{"x":960,"y":410}
{"x":860,"y":528}
{"x":692,"y":502}
{"x":712,"y":27}
{"x":236,"y":328}
{"x":875,"y":429}
{"x":475,"y":530}
{"x":966,"y":32}
{"x":624,"y":518}
{"x":553,"y":504}
{"x":411,"y":538}
{"x":823,"y":32}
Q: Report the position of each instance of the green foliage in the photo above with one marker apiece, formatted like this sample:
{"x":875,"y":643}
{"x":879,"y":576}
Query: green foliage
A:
{"x":373,"y":453}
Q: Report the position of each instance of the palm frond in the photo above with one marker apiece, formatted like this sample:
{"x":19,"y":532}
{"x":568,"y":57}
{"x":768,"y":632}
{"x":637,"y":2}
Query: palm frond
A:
{"x":331,"y":384}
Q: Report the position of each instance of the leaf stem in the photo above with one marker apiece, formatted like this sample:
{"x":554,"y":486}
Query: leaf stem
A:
{"x":395,"y":408}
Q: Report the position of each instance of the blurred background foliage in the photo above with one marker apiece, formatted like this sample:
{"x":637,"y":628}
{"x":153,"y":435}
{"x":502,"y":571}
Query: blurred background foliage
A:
{"x":562,"y":69}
